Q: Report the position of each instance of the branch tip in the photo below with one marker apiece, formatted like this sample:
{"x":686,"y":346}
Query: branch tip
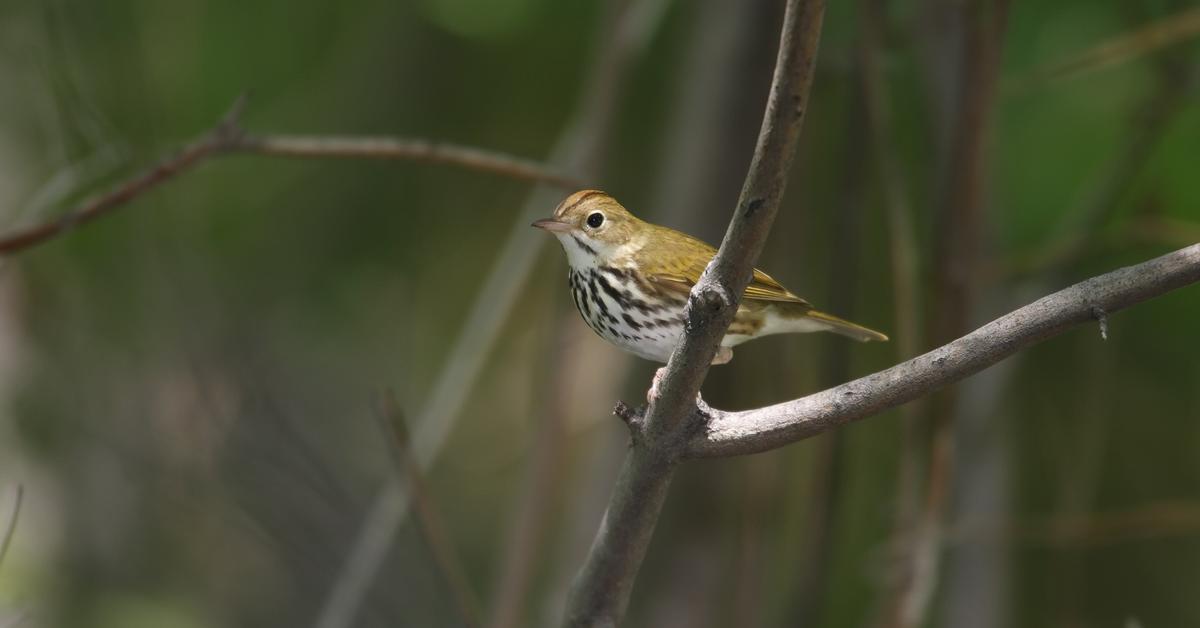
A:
{"x":229,"y":129}
{"x":633,"y":419}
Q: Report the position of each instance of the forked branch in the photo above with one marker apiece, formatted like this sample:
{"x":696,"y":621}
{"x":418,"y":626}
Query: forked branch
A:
{"x":601,"y":591}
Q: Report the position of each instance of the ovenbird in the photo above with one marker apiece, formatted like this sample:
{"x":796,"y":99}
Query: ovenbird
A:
{"x":630,"y":280}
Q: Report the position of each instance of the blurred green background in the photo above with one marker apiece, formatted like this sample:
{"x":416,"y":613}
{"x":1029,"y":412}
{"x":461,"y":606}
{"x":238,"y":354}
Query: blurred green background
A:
{"x":188,"y":386}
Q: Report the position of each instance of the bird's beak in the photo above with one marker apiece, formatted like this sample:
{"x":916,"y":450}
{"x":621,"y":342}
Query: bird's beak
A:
{"x":552,"y":225}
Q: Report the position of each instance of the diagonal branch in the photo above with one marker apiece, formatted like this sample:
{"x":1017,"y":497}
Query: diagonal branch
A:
{"x":228,"y":137}
{"x":600,"y":594}
{"x":429,"y":516}
{"x":763,"y":429}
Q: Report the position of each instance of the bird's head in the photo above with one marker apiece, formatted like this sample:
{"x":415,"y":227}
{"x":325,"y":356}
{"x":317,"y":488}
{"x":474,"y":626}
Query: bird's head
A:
{"x":592,"y":227}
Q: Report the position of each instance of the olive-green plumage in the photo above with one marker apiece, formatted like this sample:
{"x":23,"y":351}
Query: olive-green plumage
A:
{"x":629,"y":277}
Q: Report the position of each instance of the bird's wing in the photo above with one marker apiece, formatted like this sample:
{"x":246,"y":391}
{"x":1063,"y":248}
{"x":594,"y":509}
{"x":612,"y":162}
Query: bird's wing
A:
{"x":675,"y":269}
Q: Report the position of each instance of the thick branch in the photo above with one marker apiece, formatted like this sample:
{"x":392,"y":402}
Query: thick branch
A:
{"x":228,"y":137}
{"x":600,"y":593}
{"x":763,"y":429}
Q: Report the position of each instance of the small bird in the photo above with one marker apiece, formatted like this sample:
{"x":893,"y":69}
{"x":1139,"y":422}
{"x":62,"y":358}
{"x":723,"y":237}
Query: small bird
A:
{"x":630,"y":280}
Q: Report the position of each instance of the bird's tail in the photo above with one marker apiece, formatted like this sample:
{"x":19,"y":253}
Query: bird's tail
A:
{"x":844,"y":327}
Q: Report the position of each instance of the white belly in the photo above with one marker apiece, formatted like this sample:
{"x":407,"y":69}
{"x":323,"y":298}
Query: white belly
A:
{"x":622,"y":314}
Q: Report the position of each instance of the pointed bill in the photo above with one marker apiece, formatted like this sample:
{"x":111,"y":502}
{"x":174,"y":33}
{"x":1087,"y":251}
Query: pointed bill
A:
{"x":552,"y":225}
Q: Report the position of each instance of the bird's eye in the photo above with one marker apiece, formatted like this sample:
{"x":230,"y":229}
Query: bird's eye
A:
{"x":595,"y":220}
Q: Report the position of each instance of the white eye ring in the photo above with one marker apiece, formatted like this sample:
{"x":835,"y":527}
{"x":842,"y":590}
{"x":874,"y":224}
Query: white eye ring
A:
{"x":595,"y":219}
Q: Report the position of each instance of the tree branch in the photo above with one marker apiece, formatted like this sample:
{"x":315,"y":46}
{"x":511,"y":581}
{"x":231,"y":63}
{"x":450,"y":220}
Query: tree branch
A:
{"x":763,"y":429}
{"x":228,"y":137}
{"x":600,"y":593}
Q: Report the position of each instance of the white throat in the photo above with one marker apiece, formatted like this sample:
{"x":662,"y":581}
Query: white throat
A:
{"x":578,"y":256}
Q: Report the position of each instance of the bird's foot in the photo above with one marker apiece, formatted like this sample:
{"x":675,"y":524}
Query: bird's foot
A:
{"x":724,"y":355}
{"x":652,"y":394}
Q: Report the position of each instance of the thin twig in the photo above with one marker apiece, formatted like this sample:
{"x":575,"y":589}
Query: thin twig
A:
{"x":763,"y":429}
{"x":1148,"y":39}
{"x":11,"y":528}
{"x":523,"y":543}
{"x":227,"y":137}
{"x":826,"y":471}
{"x":324,"y":147}
{"x":429,"y":518}
{"x":600,"y":594}
{"x":1080,"y":227}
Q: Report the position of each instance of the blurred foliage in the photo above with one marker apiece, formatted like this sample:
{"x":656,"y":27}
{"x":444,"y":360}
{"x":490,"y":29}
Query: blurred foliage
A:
{"x":187,"y":384}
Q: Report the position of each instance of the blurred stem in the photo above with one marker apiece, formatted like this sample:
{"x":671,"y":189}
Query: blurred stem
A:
{"x":828,"y":451}
{"x":902,"y":243}
{"x":228,"y":137}
{"x":976,"y":572}
{"x":760,"y":487}
{"x":902,"y":249}
{"x":715,"y":113}
{"x":11,"y":528}
{"x":1079,"y":477}
{"x":1116,"y":177}
{"x":429,"y":518}
{"x":525,"y":540}
{"x":958,"y":240}
{"x":578,"y":149}
{"x":1125,"y":47}
{"x":1083,"y":530}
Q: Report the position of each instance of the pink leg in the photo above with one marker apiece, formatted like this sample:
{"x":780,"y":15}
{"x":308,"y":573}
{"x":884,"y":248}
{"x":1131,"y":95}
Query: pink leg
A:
{"x":723,"y":356}
{"x":652,"y":394}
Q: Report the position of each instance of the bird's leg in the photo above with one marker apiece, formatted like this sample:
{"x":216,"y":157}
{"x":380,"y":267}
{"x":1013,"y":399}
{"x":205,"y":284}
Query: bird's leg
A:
{"x":723,"y":356}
